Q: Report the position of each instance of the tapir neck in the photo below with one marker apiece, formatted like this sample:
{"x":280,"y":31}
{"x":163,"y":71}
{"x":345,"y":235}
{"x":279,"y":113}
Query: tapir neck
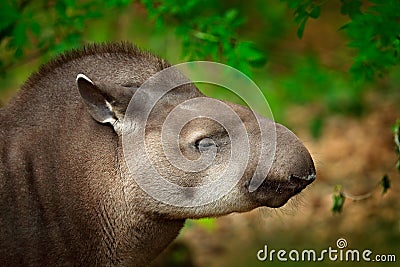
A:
{"x":149,"y":235}
{"x":64,"y":189}
{"x":131,"y":229}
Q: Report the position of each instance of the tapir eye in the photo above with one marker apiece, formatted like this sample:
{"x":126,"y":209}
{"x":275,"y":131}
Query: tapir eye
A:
{"x":205,"y":144}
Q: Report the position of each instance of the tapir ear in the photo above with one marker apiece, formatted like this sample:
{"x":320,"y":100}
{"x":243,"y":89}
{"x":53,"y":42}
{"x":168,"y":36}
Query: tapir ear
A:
{"x":106,"y":103}
{"x":95,"y":100}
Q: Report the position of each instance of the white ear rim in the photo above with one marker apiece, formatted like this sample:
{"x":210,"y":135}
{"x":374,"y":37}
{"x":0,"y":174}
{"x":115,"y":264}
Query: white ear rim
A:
{"x":83,"y":76}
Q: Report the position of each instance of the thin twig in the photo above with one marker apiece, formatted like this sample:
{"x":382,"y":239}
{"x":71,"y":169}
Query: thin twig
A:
{"x":358,"y":197}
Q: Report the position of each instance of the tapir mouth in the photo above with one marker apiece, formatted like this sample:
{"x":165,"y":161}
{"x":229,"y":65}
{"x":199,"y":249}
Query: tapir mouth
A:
{"x":276,"y":193}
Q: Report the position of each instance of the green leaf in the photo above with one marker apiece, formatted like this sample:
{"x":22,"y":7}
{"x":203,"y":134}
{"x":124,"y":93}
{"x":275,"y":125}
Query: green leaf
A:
{"x":19,"y":34}
{"x":385,"y":183}
{"x":249,"y":52}
{"x":8,"y":14}
{"x":231,"y":14}
{"x":205,"y":36}
{"x":338,"y":201}
{"x":18,"y":52}
{"x":315,"y":12}
{"x":301,"y":28}
{"x":61,"y":8}
{"x":352,"y":8}
{"x":35,"y":28}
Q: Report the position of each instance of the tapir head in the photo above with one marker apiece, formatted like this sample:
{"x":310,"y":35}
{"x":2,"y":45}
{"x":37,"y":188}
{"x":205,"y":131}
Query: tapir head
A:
{"x":194,"y":156}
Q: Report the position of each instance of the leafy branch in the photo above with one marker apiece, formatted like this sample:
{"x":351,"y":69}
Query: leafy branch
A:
{"x":340,"y":195}
{"x":303,"y":10}
{"x":31,"y":29}
{"x":373,"y":30}
{"x":208,"y":30}
{"x":209,"y":34}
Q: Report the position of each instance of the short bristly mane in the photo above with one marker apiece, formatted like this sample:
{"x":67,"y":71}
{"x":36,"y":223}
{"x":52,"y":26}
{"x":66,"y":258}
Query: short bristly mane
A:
{"x":119,"y":63}
{"x":115,"y":48}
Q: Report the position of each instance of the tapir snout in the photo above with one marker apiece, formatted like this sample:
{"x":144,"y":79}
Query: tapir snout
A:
{"x":292,"y":170}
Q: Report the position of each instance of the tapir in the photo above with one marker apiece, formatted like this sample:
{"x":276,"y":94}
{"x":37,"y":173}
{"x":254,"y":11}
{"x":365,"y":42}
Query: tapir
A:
{"x":67,"y":194}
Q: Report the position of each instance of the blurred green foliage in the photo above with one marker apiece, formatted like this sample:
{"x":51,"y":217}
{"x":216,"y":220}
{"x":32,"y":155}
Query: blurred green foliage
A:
{"x":206,"y":223}
{"x":375,"y":33}
{"x":327,"y":90}
{"x":208,"y":30}
{"x":374,"y":30}
{"x":30,"y":29}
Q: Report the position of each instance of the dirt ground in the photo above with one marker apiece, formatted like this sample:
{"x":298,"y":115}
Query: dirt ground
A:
{"x":353,"y":152}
